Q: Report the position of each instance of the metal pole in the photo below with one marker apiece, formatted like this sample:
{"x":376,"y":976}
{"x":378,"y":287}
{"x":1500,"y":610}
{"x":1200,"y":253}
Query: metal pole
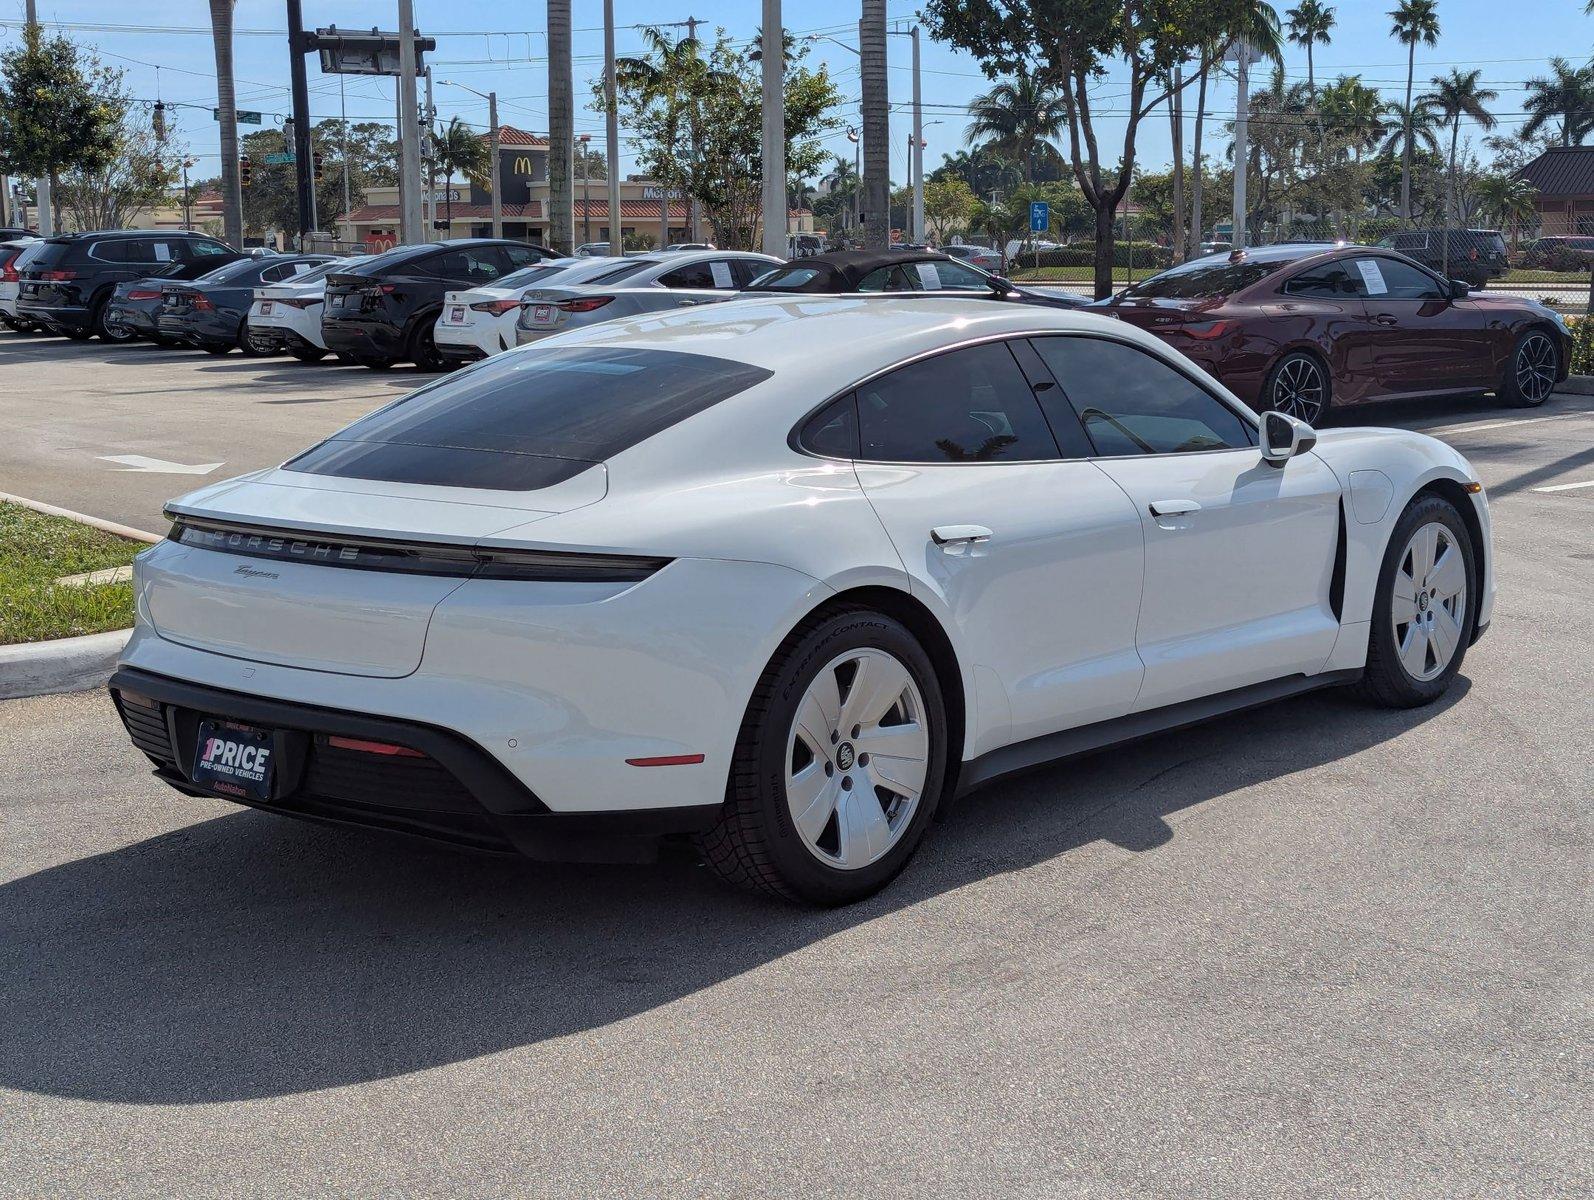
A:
{"x":1242,"y":110}
{"x":695,"y":216}
{"x":343,"y":116}
{"x":774,"y":64}
{"x":409,"y":130}
{"x":429,"y":153}
{"x":41,"y":186}
{"x":304,"y":167}
{"x":586,"y":192}
{"x":498,"y":199}
{"x":612,"y":130}
{"x":917,"y":158}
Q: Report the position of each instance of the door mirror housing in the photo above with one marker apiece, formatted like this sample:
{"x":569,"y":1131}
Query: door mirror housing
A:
{"x":1284,"y":436}
{"x":1460,"y":289}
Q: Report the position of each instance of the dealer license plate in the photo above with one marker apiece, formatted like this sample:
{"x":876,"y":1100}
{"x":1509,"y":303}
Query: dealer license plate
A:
{"x":456,"y":315}
{"x":265,"y":308}
{"x":235,"y":760}
{"x":542,"y":314}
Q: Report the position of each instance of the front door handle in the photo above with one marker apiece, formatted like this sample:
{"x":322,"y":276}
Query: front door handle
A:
{"x":1387,"y":319}
{"x":1173,"y":508}
{"x":959,"y":535}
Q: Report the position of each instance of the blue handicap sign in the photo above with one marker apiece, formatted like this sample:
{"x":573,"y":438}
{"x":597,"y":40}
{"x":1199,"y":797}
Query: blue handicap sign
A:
{"x":1040,"y":216}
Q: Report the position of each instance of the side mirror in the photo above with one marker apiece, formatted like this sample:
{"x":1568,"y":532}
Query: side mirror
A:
{"x":1284,"y":436}
{"x":1001,"y":285}
{"x":1460,"y":289}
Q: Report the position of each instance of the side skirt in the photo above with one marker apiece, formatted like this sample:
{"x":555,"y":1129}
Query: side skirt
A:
{"x":1037,"y":752}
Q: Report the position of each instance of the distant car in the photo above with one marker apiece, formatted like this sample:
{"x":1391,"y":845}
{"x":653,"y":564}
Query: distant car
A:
{"x":982,"y":257}
{"x":286,"y":315}
{"x":1559,"y":254}
{"x":646,"y":283}
{"x":130,"y":313}
{"x":593,"y":250}
{"x":1215,"y":248}
{"x":926,"y":272}
{"x":11,"y":233}
{"x":68,"y":281}
{"x":212,"y":313}
{"x":481,"y":321}
{"x":1475,"y":255}
{"x":671,"y":249}
{"x":383,"y":310}
{"x":11,"y":251}
{"x":1300,"y":329}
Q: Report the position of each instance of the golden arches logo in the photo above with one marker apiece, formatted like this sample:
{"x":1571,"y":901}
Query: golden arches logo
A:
{"x":522,"y":164}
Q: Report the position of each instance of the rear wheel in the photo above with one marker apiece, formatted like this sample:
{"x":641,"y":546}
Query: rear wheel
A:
{"x":839,"y":764}
{"x":106,"y":329}
{"x":1424,"y":609}
{"x":1298,"y":386}
{"x":247,"y":346}
{"x":423,"y":348}
{"x":1532,"y":371}
{"x":217,"y":348}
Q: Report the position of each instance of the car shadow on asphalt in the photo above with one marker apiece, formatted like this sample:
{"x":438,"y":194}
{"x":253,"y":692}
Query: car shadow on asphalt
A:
{"x":248,"y":956}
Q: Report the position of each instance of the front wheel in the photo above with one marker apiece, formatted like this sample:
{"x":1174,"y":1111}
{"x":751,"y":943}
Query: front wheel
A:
{"x":1424,"y":609}
{"x":839,"y":764}
{"x":1532,"y":372}
{"x":1298,"y":386}
{"x":108,"y":330}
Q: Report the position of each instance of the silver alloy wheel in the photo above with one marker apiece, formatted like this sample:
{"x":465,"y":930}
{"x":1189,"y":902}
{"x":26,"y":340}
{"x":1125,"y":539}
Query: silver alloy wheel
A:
{"x":856,"y":758}
{"x":1536,"y":367}
{"x":1299,"y":389}
{"x":1429,"y":601}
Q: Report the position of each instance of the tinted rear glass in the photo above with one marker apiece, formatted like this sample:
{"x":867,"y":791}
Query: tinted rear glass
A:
{"x":524,"y":421}
{"x":1201,"y":280}
{"x":635,"y":267}
{"x":387,"y":260}
{"x":792,"y":279}
{"x":45,"y":254}
{"x":234,"y":271}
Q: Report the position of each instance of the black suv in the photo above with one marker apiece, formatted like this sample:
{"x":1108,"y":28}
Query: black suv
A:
{"x":67,"y":281}
{"x":381,"y":311}
{"x":1473,"y":255}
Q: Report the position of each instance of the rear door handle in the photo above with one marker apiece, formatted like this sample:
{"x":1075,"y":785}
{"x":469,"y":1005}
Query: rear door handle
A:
{"x":959,"y":535}
{"x":1173,"y":508}
{"x":1387,"y":319}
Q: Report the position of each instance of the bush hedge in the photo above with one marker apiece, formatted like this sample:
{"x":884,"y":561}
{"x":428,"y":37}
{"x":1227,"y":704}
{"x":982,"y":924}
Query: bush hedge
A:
{"x":1083,"y":254}
{"x":1582,"y":344}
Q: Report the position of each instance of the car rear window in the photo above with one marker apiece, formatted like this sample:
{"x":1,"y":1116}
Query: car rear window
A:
{"x":1203,"y":280}
{"x":625,"y":271}
{"x":791,"y":279}
{"x":525,"y":421}
{"x":45,"y":254}
{"x":232,"y":271}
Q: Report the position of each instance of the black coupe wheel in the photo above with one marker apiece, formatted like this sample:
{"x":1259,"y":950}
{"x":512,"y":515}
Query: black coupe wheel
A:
{"x":423,"y":349}
{"x":1532,"y":372}
{"x":1298,"y":386}
{"x":107,"y":330}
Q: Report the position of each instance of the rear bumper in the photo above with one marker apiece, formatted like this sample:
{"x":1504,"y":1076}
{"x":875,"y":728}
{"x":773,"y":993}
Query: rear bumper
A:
{"x":452,"y":791}
{"x":200,"y":330}
{"x":140,"y":320}
{"x":363,"y":339}
{"x":54,"y":316}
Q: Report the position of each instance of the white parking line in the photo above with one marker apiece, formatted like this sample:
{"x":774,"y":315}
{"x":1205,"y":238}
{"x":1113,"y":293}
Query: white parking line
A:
{"x":1504,"y":424}
{"x":1566,"y":487}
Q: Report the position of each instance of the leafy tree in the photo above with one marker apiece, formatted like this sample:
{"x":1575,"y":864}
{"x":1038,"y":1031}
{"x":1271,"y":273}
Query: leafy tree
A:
{"x":373,"y":151}
{"x":948,"y":204}
{"x":1508,"y":200}
{"x":1022,"y":117}
{"x":984,"y":168}
{"x":1567,"y":96}
{"x":137,"y":176}
{"x":1455,"y":96}
{"x":270,"y":200}
{"x":1310,"y":23}
{"x":1414,"y":21}
{"x":54,"y":114}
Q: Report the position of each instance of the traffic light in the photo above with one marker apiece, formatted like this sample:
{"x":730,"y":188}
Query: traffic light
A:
{"x":160,"y":122}
{"x":245,"y":169}
{"x":315,"y":158}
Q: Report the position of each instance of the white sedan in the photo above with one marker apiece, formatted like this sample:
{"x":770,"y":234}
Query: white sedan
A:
{"x":480,"y":321}
{"x":287,"y":315}
{"x":685,"y":574}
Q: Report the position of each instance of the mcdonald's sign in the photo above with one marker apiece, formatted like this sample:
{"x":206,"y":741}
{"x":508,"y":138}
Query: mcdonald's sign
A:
{"x":522,"y":164}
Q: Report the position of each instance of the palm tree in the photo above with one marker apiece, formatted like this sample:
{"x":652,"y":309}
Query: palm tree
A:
{"x":561,"y":135}
{"x":876,"y":125}
{"x":1568,"y":94}
{"x":1508,"y":199}
{"x":1355,"y":113}
{"x":456,"y":148}
{"x":1455,"y":96}
{"x":1414,"y":21}
{"x":1422,"y":123}
{"x":1309,"y":23}
{"x":232,"y":198}
{"x":1021,"y":116}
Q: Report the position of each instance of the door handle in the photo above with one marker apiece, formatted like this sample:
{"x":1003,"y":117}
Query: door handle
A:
{"x":1173,"y":508}
{"x":1387,"y":319}
{"x":959,"y":535}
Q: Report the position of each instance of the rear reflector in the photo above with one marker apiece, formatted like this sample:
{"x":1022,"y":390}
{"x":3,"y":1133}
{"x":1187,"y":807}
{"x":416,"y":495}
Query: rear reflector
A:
{"x":666,"y":760}
{"x":585,"y":304}
{"x":497,"y":307}
{"x":143,"y":294}
{"x":365,"y":747}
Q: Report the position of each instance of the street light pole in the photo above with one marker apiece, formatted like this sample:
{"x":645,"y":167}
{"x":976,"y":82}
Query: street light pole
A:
{"x":586,"y":192}
{"x":497,"y":181}
{"x":409,"y":130}
{"x":774,"y":65}
{"x":612,"y":130}
{"x":1242,"y":111}
{"x":41,"y":186}
{"x":917,"y":158}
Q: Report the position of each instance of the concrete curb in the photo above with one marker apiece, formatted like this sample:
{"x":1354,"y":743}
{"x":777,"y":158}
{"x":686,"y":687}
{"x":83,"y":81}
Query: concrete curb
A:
{"x":66,"y":665}
{"x":1577,"y":385}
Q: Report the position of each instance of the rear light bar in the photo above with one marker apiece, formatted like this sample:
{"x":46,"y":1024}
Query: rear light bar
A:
{"x":201,"y":302}
{"x":143,"y":294}
{"x":57,"y":276}
{"x":497,"y":307}
{"x":8,"y":270}
{"x":413,"y":558}
{"x":583,"y":304}
{"x":369,"y":747}
{"x":296,"y":302}
{"x":1207,"y":331}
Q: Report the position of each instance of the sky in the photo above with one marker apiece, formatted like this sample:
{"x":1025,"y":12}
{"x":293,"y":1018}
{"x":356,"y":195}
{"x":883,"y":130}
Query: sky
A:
{"x":165,"y":47}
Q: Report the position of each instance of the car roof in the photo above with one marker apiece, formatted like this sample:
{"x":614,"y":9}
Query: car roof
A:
{"x":845,"y":269}
{"x":99,"y":234}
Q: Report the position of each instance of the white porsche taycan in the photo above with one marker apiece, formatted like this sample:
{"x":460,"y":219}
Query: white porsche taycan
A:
{"x":785,"y":575}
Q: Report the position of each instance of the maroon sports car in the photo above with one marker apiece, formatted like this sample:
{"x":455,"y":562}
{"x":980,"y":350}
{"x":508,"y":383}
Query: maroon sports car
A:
{"x":1301,"y":328}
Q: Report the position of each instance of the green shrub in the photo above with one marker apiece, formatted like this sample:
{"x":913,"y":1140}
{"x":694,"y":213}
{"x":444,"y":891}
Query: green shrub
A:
{"x":1582,"y":344}
{"x":1083,"y":254}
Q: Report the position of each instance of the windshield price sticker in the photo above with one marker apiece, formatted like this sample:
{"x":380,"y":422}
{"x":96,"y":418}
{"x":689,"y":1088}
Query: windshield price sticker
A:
{"x":929,"y":276}
{"x":722,"y":274}
{"x":1372,"y":277}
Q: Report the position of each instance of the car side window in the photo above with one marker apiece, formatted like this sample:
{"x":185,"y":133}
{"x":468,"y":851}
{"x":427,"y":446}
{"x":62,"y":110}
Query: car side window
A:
{"x":475,"y":265}
{"x":951,"y":275}
{"x":692,"y":275}
{"x":1402,"y":281}
{"x":520,"y":257}
{"x":1330,"y":281}
{"x":199,"y":248}
{"x":885,"y":279}
{"x":112,"y":250}
{"x":1131,"y":402}
{"x":744,"y":271}
{"x":966,"y":406}
{"x":832,"y":432}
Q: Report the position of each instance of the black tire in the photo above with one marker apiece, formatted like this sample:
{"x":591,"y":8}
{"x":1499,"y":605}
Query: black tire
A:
{"x":217,"y":348}
{"x":755,"y":844}
{"x":307,"y":354}
{"x":423,"y":349}
{"x":1299,"y":385}
{"x":117,"y":334}
{"x":78,"y":335}
{"x":348,"y":360}
{"x":1532,"y":370}
{"x":246,"y":346}
{"x":377,"y":364}
{"x":1387,"y":681}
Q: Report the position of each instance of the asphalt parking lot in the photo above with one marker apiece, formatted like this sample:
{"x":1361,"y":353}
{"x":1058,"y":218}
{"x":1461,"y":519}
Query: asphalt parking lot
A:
{"x":1316,"y":949}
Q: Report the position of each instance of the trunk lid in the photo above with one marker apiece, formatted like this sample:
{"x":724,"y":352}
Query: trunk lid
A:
{"x":294,"y":569}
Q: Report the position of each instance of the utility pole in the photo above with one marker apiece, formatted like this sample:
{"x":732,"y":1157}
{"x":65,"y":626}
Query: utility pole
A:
{"x":498,"y":196}
{"x":586,"y":192}
{"x":41,"y":186}
{"x":300,"y":148}
{"x":876,"y":126}
{"x":409,"y":130}
{"x":916,"y":168}
{"x":611,"y":118}
{"x":1242,"y":111}
{"x":774,"y":64}
{"x":429,"y":157}
{"x":695,"y":217}
{"x":343,"y":117}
